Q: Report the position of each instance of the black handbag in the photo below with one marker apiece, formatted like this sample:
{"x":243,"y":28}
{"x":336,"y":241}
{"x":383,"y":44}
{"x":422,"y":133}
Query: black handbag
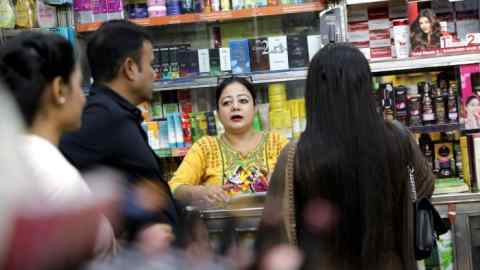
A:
{"x":428,"y":224}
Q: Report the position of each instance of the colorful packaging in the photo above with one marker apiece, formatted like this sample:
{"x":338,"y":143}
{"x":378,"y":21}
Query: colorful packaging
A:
{"x":278,"y":53}
{"x":163,"y":133}
{"x":172,"y":138}
{"x":7,"y":14}
{"x":115,"y":9}
{"x":25,"y":14}
{"x":240,"y":56}
{"x":401,"y":37}
{"x":100,"y":10}
{"x":46,"y":15}
{"x":186,"y":128}
{"x":177,"y":118}
{"x":211,"y":124}
{"x":153,"y":135}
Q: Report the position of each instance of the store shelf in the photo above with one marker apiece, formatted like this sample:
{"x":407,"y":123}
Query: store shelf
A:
{"x":217,"y":16}
{"x":202,"y":82}
{"x":437,"y":128}
{"x":358,"y":2}
{"x":301,"y":74}
{"x":174,"y":152}
{"x":425,"y":62}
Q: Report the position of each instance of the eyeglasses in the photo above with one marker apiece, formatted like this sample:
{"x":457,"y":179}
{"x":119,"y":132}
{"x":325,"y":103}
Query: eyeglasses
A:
{"x":222,"y":78}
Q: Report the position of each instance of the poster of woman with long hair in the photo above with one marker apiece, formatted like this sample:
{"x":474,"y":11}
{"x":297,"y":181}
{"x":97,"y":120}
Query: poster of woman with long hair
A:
{"x":425,"y":31}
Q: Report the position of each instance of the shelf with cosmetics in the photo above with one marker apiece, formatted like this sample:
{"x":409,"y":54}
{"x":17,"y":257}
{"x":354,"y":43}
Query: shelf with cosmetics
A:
{"x":387,"y":66}
{"x":210,"y":15}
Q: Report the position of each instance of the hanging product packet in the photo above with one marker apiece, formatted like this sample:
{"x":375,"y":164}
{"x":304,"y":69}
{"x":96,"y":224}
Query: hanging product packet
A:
{"x":25,"y":14}
{"x":7,"y":14}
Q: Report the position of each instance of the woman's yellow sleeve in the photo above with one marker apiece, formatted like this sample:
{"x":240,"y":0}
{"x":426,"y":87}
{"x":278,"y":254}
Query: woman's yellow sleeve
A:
{"x":191,"y":170}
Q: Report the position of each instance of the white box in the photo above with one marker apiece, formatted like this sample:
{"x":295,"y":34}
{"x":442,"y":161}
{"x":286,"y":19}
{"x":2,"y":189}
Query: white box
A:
{"x":359,"y":36}
{"x":278,"y":53}
{"x":203,"y":60}
{"x":314,"y":45}
{"x":379,"y":24}
{"x":225,"y":61}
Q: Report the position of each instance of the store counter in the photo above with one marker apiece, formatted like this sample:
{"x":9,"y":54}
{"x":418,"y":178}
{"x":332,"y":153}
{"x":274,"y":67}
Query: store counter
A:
{"x":463,"y":211}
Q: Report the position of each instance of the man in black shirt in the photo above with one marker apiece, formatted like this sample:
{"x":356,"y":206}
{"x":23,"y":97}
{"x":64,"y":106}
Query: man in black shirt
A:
{"x":120,"y":55}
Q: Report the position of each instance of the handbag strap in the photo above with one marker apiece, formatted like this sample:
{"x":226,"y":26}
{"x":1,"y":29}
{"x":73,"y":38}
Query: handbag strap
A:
{"x":405,"y":137}
{"x":289,"y":196}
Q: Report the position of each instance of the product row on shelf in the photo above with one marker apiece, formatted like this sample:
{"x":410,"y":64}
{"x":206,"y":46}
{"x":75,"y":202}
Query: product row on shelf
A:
{"x":27,"y":14}
{"x":183,"y":11}
{"x":242,"y":56}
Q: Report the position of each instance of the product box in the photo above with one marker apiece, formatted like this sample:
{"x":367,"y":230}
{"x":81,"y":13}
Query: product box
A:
{"x":357,"y":13}
{"x":165,"y":64}
{"x":203,"y":61}
{"x":185,"y":101}
{"x":214,"y":55}
{"x":225,"y":60}
{"x":211,"y":124}
{"x":278,"y":53}
{"x":183,"y":58}
{"x":297,"y":51}
{"x":379,"y":38}
{"x":172,"y":138}
{"x":153,"y":135}
{"x":240,"y":56}
{"x":193,"y":68}
{"x":397,"y":9}
{"x":259,"y":54}
{"x":174,"y":65}
{"x":177,"y":118}
{"x":381,"y":53}
{"x":163,"y":133}
{"x":186,"y":128}
{"x":157,"y":67}
{"x":314,"y":43}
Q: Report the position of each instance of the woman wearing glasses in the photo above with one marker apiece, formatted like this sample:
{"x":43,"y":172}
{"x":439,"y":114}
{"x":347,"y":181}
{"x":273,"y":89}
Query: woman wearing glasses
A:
{"x":237,"y":162}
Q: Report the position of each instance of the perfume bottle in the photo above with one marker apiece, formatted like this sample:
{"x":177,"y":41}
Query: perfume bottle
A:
{"x":428,"y":115}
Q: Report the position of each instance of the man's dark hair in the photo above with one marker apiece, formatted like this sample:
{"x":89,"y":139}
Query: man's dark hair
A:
{"x":111,"y":44}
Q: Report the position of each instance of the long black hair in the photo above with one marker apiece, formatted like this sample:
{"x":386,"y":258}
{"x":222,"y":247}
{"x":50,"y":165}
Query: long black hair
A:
{"x":346,"y":155}
{"x":29,"y":62}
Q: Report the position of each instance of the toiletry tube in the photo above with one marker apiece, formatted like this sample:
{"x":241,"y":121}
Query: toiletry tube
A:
{"x":178,"y":130}
{"x":172,"y":139}
{"x":163,"y":133}
{"x":186,"y":128}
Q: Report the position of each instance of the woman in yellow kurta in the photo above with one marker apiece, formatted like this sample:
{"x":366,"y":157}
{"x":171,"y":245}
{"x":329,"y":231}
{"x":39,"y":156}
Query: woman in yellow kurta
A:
{"x":236,"y":162}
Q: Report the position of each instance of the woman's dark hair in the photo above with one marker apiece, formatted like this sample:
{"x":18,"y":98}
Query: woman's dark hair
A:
{"x":419,"y":38}
{"x":231,"y":80}
{"x":350,"y":159}
{"x":29,"y":62}
{"x":471,"y":98}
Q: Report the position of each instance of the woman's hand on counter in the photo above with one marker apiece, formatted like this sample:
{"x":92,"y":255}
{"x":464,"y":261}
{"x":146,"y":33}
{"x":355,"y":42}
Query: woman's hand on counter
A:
{"x":209,"y":195}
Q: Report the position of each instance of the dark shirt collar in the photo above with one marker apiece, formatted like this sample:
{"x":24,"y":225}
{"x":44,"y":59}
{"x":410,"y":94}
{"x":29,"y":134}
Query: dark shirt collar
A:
{"x":101,"y":88}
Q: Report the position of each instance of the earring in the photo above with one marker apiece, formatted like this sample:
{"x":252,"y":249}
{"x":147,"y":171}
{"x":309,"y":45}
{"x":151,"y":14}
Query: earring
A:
{"x":62,"y":100}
